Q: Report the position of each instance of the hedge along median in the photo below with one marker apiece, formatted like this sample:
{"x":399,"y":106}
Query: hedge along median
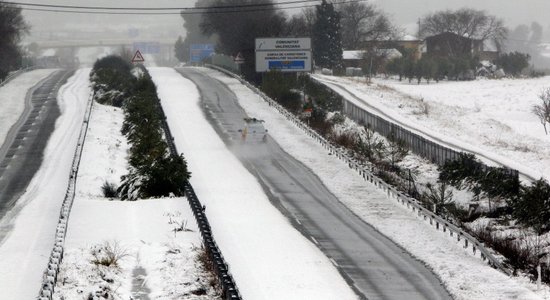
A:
{"x":153,"y":170}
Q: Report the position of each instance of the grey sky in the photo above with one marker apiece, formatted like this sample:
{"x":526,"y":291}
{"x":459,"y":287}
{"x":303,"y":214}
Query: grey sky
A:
{"x":403,"y":12}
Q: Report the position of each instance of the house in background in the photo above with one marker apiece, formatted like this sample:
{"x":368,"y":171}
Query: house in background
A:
{"x":450,"y":44}
{"x":406,"y":43}
{"x":411,"y":44}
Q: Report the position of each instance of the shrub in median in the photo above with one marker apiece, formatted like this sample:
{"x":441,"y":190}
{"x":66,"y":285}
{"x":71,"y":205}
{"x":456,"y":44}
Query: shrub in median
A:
{"x":153,"y":171}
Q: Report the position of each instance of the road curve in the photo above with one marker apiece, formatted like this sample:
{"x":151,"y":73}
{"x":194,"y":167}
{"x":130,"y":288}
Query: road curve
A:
{"x":21,"y":154}
{"x":374,"y":266}
{"x":460,"y":147}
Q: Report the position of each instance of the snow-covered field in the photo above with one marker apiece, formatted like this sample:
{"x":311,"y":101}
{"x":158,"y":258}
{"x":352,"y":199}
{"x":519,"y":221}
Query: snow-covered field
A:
{"x":490,"y":116}
{"x":268,"y":258}
{"x":12,"y":98}
{"x":465,"y":276}
{"x":25,"y":252}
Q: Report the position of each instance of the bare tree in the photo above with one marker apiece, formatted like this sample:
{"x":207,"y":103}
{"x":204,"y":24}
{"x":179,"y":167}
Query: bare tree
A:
{"x":466,"y":22}
{"x":361,"y":22}
{"x":542,"y":110}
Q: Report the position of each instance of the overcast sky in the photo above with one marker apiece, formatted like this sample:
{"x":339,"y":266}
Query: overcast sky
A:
{"x":403,"y":12}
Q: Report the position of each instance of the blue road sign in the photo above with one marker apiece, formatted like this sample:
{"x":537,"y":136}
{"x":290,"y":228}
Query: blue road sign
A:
{"x":198,"y":52}
{"x":147,"y":47}
{"x":286,"y":65}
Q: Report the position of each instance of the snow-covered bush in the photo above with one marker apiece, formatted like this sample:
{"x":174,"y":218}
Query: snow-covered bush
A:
{"x":109,"y":190}
{"x":108,"y":254}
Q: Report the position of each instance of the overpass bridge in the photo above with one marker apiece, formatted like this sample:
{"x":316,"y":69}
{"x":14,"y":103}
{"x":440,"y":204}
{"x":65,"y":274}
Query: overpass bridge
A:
{"x":68,"y":49}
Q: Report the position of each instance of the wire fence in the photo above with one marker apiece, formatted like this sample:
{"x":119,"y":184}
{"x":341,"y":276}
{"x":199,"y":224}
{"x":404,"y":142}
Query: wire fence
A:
{"x":440,"y":224}
{"x":220,"y":267}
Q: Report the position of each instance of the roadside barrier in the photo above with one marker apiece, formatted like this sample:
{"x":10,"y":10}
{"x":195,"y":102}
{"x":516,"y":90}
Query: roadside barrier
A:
{"x":49,"y":280}
{"x":425,"y":147}
{"x":220,"y":267}
{"x":15,"y":74}
{"x":439,"y":223}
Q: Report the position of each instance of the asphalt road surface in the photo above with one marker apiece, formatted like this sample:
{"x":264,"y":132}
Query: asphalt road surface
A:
{"x":373,"y":266}
{"x":22,"y":152}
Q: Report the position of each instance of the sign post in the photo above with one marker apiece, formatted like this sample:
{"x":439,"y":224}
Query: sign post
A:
{"x":283,"y":54}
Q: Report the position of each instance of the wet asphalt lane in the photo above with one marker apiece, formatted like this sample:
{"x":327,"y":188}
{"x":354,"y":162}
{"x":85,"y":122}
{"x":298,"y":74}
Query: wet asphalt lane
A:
{"x":22,"y":151}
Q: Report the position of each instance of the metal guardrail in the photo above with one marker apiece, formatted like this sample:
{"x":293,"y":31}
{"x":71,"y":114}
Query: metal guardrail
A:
{"x":50,"y":275}
{"x":391,"y":192}
{"x":15,"y":74}
{"x":221,"y":268}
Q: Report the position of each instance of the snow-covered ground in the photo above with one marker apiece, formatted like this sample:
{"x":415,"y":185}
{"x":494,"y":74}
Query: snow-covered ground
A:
{"x":25,"y":252}
{"x":490,"y":116}
{"x":465,"y":276}
{"x":156,"y":261}
{"x":12,"y":98}
{"x":268,"y":258}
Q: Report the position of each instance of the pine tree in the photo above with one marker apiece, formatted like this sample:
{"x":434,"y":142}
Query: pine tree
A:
{"x":179,"y":49}
{"x":533,"y":208}
{"x":12,"y":28}
{"x":327,"y":38}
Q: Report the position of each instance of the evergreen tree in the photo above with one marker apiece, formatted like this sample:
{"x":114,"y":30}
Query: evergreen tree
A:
{"x":533,"y":208}
{"x":326,"y":38}
{"x":180,"y":49}
{"x":12,"y":27}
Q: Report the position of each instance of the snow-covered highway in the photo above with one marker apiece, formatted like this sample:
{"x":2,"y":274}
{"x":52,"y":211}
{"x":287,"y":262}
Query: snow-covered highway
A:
{"x":21,"y":152}
{"x":373,"y":265}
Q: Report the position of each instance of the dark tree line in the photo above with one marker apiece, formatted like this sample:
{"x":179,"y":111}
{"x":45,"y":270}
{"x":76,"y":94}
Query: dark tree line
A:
{"x":12,"y":27}
{"x":332,"y":25}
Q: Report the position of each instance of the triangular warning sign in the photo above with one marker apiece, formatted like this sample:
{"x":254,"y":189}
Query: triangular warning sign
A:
{"x":239,"y":58}
{"x":138,"y":57}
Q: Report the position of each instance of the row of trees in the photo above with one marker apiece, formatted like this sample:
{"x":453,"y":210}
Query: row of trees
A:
{"x":153,"y":171}
{"x":451,"y":68}
{"x":12,"y":27}
{"x":432,"y":68}
{"x":332,"y":25}
{"x":530,"y":205}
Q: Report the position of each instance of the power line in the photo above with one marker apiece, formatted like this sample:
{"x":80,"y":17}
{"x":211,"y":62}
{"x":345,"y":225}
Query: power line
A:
{"x":185,"y":11}
{"x":251,"y":5}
